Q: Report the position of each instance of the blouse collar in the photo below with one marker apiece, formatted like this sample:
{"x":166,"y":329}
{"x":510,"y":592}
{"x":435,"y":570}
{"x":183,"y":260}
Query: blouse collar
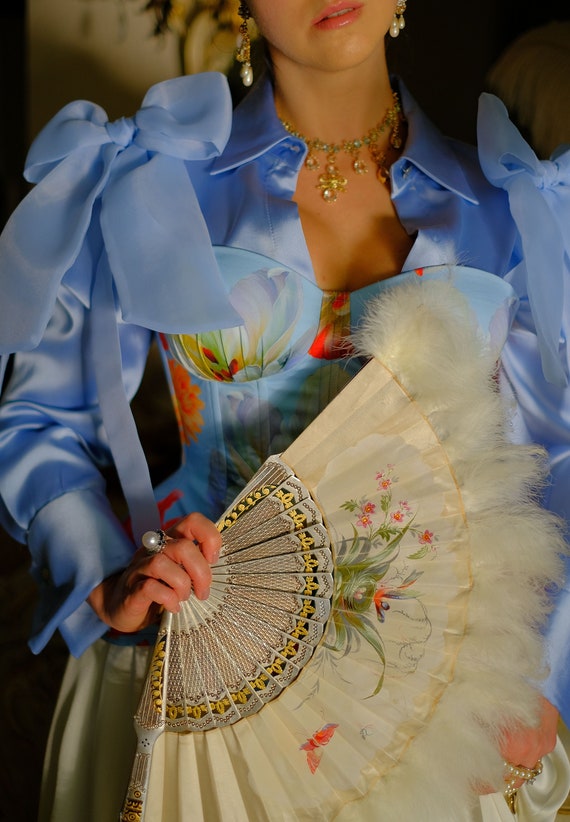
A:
{"x":430,"y":151}
{"x":256,"y":130}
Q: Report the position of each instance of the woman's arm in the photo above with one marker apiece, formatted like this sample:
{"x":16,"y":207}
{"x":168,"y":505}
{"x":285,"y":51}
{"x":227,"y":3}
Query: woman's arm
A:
{"x":52,"y":447}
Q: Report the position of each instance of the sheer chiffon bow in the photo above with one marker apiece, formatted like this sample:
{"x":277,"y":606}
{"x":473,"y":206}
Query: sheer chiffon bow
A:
{"x":133,"y":171}
{"x":539,"y":198}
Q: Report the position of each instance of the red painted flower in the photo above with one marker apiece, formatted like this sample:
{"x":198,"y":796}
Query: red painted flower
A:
{"x":188,"y":402}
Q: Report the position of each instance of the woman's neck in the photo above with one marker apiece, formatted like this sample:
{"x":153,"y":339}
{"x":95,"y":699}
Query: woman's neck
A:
{"x":332,"y":106}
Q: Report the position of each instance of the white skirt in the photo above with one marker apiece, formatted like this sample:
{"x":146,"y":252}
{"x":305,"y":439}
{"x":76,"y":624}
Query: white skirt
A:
{"x":92,"y":744}
{"x":92,"y":739}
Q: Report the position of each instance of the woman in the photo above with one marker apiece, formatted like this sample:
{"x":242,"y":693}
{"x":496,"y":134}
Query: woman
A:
{"x":125,"y":220}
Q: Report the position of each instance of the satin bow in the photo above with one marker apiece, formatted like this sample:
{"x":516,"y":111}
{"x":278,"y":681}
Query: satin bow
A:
{"x":539,"y":199}
{"x":157,"y":241}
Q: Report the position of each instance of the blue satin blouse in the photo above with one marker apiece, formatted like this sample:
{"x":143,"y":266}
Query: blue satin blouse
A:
{"x":116,"y":241}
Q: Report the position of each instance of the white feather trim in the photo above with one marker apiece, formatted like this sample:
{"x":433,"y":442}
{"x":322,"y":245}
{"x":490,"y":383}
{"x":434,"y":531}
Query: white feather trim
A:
{"x":426,"y":335}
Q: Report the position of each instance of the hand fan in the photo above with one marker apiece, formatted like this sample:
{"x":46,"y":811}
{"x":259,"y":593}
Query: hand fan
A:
{"x":374,"y":617}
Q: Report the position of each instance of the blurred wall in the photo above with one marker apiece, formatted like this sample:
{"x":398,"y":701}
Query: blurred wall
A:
{"x":100,"y":50}
{"x":13,"y":105}
{"x":448,"y":49}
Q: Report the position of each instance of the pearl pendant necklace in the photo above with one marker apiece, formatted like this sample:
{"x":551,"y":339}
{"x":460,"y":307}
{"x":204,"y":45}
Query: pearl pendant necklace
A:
{"x":332,"y":182}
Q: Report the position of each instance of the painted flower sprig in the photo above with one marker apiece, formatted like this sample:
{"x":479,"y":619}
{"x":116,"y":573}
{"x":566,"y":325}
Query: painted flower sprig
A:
{"x":368,"y":575}
{"x":385,"y":520}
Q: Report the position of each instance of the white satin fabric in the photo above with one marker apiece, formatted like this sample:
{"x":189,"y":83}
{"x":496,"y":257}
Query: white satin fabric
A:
{"x":539,"y":802}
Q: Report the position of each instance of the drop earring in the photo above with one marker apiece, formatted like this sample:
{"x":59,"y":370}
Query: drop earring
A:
{"x":243,"y":53}
{"x":398,"y":21}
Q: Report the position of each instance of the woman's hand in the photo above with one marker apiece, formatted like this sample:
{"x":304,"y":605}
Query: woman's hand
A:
{"x":525,"y":746}
{"x":133,"y":598}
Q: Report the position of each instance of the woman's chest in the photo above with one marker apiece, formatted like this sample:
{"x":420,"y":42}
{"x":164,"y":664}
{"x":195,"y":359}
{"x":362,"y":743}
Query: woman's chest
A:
{"x":285,"y":316}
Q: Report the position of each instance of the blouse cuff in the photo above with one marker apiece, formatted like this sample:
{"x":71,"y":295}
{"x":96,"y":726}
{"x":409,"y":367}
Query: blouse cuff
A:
{"x":75,"y":542}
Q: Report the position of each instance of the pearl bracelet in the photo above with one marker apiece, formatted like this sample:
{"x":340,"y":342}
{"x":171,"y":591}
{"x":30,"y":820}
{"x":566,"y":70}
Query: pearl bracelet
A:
{"x":516,"y":772}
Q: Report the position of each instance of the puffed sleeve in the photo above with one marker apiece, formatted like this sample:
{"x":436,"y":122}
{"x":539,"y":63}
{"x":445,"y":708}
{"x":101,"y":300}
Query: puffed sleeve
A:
{"x":536,"y":358}
{"x":539,"y":199}
{"x":108,"y":245}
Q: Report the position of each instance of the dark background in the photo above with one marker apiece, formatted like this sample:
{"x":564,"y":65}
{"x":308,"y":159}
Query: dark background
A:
{"x":443,"y":55}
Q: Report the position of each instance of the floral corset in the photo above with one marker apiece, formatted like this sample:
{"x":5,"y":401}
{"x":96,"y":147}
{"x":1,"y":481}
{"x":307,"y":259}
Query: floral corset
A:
{"x":246,"y":392}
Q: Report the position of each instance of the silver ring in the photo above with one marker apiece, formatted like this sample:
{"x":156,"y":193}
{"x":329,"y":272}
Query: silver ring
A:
{"x":154,"y":541}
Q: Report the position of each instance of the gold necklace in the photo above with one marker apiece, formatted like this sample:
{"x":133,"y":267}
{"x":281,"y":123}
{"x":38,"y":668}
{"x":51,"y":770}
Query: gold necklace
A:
{"x":332,"y":182}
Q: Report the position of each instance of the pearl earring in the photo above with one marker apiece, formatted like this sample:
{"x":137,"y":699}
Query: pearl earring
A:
{"x":398,"y":21}
{"x":243,"y":53}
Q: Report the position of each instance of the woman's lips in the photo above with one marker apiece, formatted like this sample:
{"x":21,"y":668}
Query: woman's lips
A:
{"x":337,"y":15}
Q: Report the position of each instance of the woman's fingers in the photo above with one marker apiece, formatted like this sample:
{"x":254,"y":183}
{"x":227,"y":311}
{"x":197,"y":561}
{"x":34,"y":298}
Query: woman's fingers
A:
{"x":148,"y":592}
{"x":182,"y":567}
{"x":198,"y":529}
{"x":184,"y":562}
{"x":177,"y":567}
{"x":526,"y":746}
